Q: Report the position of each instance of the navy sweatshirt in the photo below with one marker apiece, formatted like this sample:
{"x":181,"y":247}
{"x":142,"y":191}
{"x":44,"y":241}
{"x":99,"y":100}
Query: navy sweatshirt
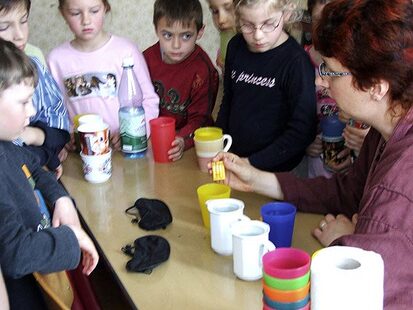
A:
{"x":54,"y":142}
{"x":24,"y":246}
{"x":269,"y":104}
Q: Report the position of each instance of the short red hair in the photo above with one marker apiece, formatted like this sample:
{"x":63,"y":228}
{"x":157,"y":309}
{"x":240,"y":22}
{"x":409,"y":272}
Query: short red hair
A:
{"x":374,"y":40}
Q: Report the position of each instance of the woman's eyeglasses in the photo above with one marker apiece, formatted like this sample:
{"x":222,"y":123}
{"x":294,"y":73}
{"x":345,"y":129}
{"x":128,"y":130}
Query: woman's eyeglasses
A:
{"x":323,"y":72}
{"x":266,"y":27}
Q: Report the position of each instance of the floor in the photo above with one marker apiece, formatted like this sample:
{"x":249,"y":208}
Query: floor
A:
{"x":108,"y":293}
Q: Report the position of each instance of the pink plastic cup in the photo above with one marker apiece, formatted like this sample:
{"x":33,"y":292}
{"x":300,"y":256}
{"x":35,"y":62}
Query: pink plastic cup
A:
{"x":162,"y":136}
{"x":286,"y":263}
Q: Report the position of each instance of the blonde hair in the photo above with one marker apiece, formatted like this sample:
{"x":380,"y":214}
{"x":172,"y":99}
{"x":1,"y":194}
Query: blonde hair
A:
{"x":287,"y":6}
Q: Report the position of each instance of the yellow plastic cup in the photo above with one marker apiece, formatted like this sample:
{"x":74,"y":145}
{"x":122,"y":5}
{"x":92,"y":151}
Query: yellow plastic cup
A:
{"x":208,"y":133}
{"x":211,"y":191}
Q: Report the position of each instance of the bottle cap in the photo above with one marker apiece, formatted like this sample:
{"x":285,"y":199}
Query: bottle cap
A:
{"x":331,"y":126}
{"x":127,"y":62}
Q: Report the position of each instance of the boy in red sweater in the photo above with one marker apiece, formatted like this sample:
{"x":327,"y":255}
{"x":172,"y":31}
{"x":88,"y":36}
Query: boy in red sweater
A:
{"x":182,"y":73}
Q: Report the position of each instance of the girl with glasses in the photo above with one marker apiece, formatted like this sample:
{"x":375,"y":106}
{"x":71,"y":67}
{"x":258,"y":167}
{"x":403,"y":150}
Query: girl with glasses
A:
{"x":268,"y":105}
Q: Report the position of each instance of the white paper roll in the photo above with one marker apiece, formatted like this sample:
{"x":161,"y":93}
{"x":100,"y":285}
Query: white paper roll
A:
{"x":346,"y":278}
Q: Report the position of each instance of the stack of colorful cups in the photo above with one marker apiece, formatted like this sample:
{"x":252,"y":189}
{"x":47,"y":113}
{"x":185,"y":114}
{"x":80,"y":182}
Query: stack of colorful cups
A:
{"x":286,"y":279}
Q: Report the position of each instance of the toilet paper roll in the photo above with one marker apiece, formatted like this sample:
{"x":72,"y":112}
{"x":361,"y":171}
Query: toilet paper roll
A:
{"x":346,"y":278}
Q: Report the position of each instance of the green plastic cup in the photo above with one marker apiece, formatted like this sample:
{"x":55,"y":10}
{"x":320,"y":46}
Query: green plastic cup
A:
{"x":287,"y":284}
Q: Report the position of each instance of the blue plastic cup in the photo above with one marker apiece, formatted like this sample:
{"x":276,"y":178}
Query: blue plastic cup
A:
{"x":281,"y":217}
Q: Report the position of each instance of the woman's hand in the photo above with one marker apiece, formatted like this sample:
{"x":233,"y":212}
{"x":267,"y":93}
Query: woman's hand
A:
{"x":239,"y":173}
{"x":242,"y":176}
{"x":177,"y":150}
{"x":333,"y":227}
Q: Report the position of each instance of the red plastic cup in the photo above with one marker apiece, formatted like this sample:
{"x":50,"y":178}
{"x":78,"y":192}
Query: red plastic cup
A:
{"x":162,"y":136}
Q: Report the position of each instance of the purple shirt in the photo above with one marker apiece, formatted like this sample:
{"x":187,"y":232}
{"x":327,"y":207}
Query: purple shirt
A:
{"x":379,"y":187}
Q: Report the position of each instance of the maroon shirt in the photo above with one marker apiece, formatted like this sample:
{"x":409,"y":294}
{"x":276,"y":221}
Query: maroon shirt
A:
{"x":187,"y":90}
{"x":380,"y":188}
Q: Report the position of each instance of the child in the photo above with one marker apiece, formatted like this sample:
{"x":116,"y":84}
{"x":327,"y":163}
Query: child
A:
{"x":326,"y":106}
{"x":223,"y":17}
{"x":268,"y":105}
{"x":48,"y":130}
{"x":28,"y":242}
{"x":34,"y":51}
{"x":95,"y":53}
{"x":183,"y":75}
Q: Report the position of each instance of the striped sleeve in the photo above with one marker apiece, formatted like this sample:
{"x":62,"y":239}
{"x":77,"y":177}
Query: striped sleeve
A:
{"x":48,"y":100}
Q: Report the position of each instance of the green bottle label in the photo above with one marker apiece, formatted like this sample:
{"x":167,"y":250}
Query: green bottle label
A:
{"x":133,"y":132}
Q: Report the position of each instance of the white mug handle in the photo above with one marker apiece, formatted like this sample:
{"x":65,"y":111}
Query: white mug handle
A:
{"x":227,"y":142}
{"x":266,"y":246}
{"x":242,"y":217}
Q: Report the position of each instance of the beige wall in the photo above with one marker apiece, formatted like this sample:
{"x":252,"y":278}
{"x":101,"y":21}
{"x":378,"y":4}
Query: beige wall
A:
{"x":128,"y":18}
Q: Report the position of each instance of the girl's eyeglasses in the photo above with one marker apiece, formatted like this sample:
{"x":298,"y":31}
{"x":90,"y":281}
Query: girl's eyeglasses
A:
{"x":323,"y":72}
{"x":266,"y":27}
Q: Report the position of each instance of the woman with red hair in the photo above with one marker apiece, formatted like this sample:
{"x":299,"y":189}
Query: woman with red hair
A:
{"x":367,"y":52}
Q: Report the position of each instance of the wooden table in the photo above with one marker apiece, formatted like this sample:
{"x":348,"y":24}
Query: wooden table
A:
{"x":194,"y":277}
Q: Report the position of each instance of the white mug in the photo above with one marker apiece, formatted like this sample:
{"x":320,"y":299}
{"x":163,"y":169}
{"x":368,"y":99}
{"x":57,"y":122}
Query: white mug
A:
{"x":209,"y":141}
{"x":223,"y":212}
{"x":250,"y":243}
{"x":97,"y":168}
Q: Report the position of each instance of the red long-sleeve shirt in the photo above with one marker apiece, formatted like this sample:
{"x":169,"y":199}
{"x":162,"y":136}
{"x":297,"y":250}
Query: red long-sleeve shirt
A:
{"x":187,"y":90}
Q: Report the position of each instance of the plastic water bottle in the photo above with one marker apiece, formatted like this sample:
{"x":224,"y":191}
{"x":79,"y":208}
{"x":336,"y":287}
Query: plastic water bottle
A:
{"x":131,"y":113}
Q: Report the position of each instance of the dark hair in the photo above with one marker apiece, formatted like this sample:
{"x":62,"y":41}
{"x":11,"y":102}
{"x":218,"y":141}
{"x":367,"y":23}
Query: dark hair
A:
{"x":312,"y":3}
{"x":7,"y":5}
{"x":374,"y":40}
{"x":105,"y":3}
{"x":184,"y":11}
{"x":15,"y":66}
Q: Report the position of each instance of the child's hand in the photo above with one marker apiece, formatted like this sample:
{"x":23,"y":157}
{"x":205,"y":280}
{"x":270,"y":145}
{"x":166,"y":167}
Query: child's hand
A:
{"x":115,"y":141}
{"x":58,"y":171}
{"x":332,"y":227}
{"x":63,"y":154}
{"x":220,"y":63}
{"x":343,"y":116}
{"x":343,"y":165}
{"x":315,"y":148}
{"x":71,"y":145}
{"x":90,"y":256}
{"x":65,"y":213}
{"x":354,"y":137}
{"x":177,"y":150}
